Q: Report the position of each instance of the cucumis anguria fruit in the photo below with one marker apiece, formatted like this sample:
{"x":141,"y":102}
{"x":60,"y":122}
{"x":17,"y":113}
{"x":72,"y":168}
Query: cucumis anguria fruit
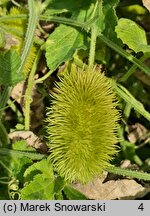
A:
{"x":82,"y":125}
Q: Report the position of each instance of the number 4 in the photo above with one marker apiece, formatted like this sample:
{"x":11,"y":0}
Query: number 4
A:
{"x":141,"y":207}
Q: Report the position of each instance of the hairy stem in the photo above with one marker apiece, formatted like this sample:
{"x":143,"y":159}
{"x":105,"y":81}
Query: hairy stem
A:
{"x":40,"y":80}
{"x":16,"y":153}
{"x":92,"y":46}
{"x":128,"y":173}
{"x":94,"y":32}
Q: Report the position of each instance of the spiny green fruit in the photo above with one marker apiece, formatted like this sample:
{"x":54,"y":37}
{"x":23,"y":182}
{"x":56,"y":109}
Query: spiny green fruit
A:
{"x":82,"y":125}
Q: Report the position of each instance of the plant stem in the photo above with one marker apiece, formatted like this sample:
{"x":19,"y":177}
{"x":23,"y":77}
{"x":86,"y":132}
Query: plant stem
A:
{"x":129,"y":98}
{"x":12,"y":17}
{"x":128,"y":173}
{"x":5,"y":166}
{"x":16,"y":153}
{"x":128,"y":56}
{"x":28,"y":93}
{"x":94,"y":32}
{"x":79,"y":63}
{"x":4,"y":178}
{"x":132,"y":69}
{"x":92,"y":46}
{"x":63,"y":20}
{"x":57,"y":19}
{"x":40,"y":80}
{"x":16,"y":3}
{"x":3,"y":182}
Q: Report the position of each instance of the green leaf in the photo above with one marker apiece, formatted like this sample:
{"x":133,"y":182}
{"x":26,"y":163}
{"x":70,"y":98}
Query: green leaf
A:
{"x":44,"y":166}
{"x":73,"y":194}
{"x":42,"y":185}
{"x":40,"y":188}
{"x":143,"y":48}
{"x":133,"y":35}
{"x":22,"y":146}
{"x":109,"y":9}
{"x":62,"y":44}
{"x":59,"y":185}
{"x":83,"y":15}
{"x":96,"y":10}
{"x":9,"y":65}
